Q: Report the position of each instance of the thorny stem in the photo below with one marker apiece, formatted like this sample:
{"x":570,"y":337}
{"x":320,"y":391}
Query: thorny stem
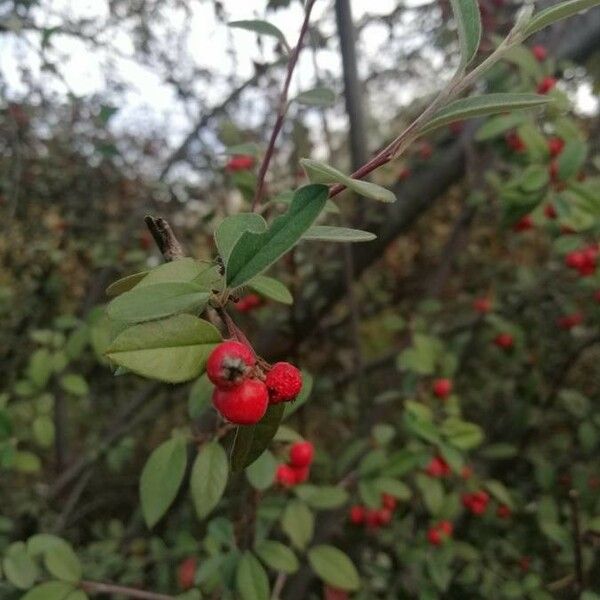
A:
{"x":282,"y":109}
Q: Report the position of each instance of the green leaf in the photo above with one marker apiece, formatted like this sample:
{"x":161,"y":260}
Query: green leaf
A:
{"x":498,"y":490}
{"x":255,"y":252}
{"x":327,"y":233}
{"x":200,"y":396}
{"x":63,"y":563}
{"x":260,"y":27}
{"x":173,"y":350}
{"x":432,"y":491}
{"x":334,"y":567}
{"x":74,"y":384}
{"x":498,"y":125}
{"x":461,"y":434}
{"x":51,"y":590}
{"x":477,"y":106}
{"x":231,"y":229}
{"x":161,"y":479}
{"x":298,"y":523}
{"x":252,"y":440}
{"x":251,"y":579}
{"x":319,"y":96}
{"x":271,"y":288}
{"x":325,"y":497}
{"x":247,"y":149}
{"x":277,"y":556}
{"x":209,"y":478}
{"x":39,"y":368}
{"x":125,"y":284}
{"x":468,"y":23}
{"x":40,"y":543}
{"x":43,"y":431}
{"x":150,"y":302}
{"x":26,"y":462}
{"x":19,"y":568}
{"x":562,"y":10}
{"x":571,"y":159}
{"x":393,"y":487}
{"x":182,"y":270}
{"x":261,"y":473}
{"x":319,"y":172}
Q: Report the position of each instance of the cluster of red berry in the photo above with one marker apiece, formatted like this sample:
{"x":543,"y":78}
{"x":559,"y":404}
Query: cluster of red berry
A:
{"x":297,"y":469}
{"x":248,"y":303}
{"x":440,"y":532}
{"x":374,"y":517}
{"x":476,"y":502}
{"x":583,"y":260}
{"x":242,"y":389}
{"x":569,"y":321}
{"x":240,"y":162}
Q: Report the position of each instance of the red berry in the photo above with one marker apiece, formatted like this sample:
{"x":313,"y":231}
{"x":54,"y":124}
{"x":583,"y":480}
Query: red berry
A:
{"x":466,"y":472}
{"x":446,"y":527}
{"x":239,"y":163}
{"x":356,"y":514}
{"x":301,"y":473}
{"x":504,"y":341}
{"x":503,"y":512}
{"x":425,"y":150}
{"x":248,"y":303}
{"x":442,"y":388}
{"x":372,"y":519}
{"x":389,"y":501}
{"x":597,"y":296}
{"x":384,"y":516}
{"x":524,"y":224}
{"x":284,"y":382}
{"x":525,"y":563}
{"x":434,"y":536}
{"x":553,"y":171}
{"x":550,"y":211}
{"x":331,"y":593}
{"x":555,"y":146}
{"x":229,"y":364}
{"x":301,"y":454}
{"x":476,"y":502}
{"x":244,"y":404}
{"x":285,"y":476}
{"x":539,"y":52}
{"x":546,"y":85}
{"x":186,"y":573}
{"x":482,"y":305}
{"x":146,"y":240}
{"x":515,"y":142}
{"x":569,"y":321}
{"x":575,"y":259}
{"x":404,"y":173}
{"x":438,"y":467}
{"x":457,"y":127}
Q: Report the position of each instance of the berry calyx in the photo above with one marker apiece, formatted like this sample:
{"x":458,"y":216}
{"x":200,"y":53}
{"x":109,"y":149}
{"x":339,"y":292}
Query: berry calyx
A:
{"x":244,"y":404}
{"x":539,"y":52}
{"x":285,"y":476}
{"x":186,"y":573}
{"x":284,"y":382}
{"x":442,"y":388}
{"x":356,"y":514}
{"x":301,"y":454}
{"x":229,"y":364}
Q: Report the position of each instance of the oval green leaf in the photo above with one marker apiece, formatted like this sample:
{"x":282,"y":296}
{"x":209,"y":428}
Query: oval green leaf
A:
{"x":277,"y":556}
{"x":63,"y":563}
{"x":271,"y":288}
{"x":327,"y":233}
{"x":298,"y":523}
{"x":52,"y":590}
{"x":468,"y":23}
{"x":251,"y":579}
{"x":562,"y":10}
{"x":209,"y":478}
{"x":231,"y":229}
{"x":334,"y":567}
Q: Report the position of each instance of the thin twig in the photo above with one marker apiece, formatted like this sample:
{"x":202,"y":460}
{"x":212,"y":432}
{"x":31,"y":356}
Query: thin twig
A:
{"x":579,"y":583}
{"x":165,"y":239}
{"x":282,"y":109}
{"x":97,"y":587}
{"x":278,"y":586}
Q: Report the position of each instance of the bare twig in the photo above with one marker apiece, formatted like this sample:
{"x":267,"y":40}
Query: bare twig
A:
{"x":97,"y":587}
{"x":278,"y":586}
{"x":282,"y":109}
{"x":579,"y":582}
{"x":165,"y":239}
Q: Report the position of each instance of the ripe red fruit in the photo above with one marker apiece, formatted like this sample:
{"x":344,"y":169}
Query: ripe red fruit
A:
{"x":504,"y":341}
{"x":301,"y":454}
{"x":546,"y":85}
{"x":248,"y":303}
{"x":404,"y":173}
{"x":476,"y":502}
{"x":301,"y":473}
{"x":524,"y":224}
{"x":466,"y":472}
{"x":503,"y":512}
{"x":372,"y":519}
{"x":569,"y":321}
{"x":240,"y":162}
{"x":555,"y":146}
{"x":356,"y":514}
{"x":244,"y":404}
{"x":553,"y":171}
{"x":550,"y":211}
{"x":229,"y":364}
{"x":388,"y":501}
{"x":186,"y":573}
{"x":482,"y":305}
{"x":331,"y":593}
{"x":145,"y":240}
{"x":515,"y":142}
{"x":442,"y":388}
{"x":384,"y":516}
{"x":438,"y":467}
{"x":285,"y":476}
{"x":446,"y":527}
{"x":284,"y":382}
{"x":539,"y":52}
{"x":434,"y":536}
{"x":425,"y":150}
